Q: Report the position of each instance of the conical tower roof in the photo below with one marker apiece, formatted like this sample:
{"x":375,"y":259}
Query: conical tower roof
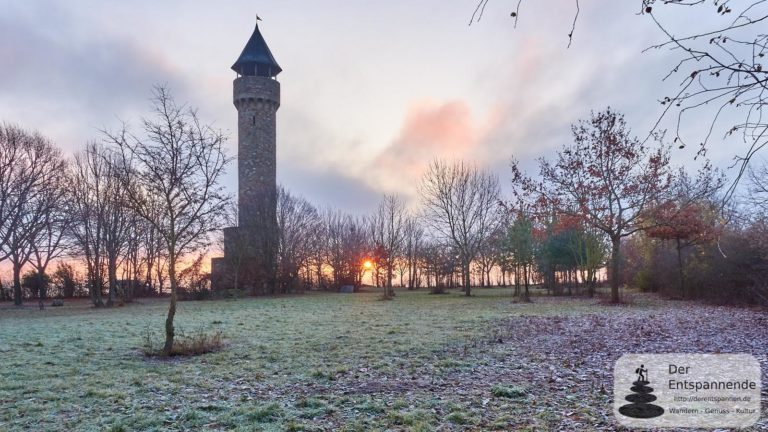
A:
{"x":256,"y":58}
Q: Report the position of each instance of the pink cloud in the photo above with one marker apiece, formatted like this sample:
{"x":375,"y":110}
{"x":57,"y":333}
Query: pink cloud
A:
{"x":431,"y":130}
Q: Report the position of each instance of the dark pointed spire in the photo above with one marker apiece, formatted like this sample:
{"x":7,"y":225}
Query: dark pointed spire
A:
{"x":256,"y":58}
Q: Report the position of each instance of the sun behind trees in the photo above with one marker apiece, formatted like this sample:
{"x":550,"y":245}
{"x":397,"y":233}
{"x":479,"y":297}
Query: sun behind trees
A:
{"x":135,"y":208}
{"x":388,"y":226}
{"x":138,"y":205}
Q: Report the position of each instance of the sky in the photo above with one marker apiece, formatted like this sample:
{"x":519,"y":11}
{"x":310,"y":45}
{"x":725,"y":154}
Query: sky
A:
{"x":371,"y":91}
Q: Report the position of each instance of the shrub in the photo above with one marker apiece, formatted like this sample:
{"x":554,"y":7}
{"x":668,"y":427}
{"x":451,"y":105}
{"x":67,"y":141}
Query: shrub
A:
{"x":457,"y":417}
{"x":309,"y":403}
{"x":644,"y":280}
{"x":437,"y":289}
{"x":37,"y":283}
{"x":292,"y":426}
{"x":265,"y":413}
{"x":732,"y":270}
{"x":508,"y":392}
{"x":185,"y":345}
{"x":65,"y":280}
{"x":409,"y":418}
{"x":203,"y":294}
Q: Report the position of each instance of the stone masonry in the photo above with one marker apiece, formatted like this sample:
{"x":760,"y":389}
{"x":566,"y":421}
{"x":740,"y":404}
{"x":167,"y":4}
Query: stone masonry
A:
{"x":250,"y":249}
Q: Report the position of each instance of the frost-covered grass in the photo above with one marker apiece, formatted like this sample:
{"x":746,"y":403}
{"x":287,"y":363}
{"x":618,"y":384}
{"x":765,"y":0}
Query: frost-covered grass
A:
{"x":78,"y":368}
{"x":311,"y":362}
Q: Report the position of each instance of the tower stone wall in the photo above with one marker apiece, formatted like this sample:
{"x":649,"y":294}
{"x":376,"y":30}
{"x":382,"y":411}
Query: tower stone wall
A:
{"x":257,"y":100}
{"x":250,"y":249}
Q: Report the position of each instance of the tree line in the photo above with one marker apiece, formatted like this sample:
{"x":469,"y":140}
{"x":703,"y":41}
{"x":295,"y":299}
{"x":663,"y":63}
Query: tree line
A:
{"x":138,"y":210}
{"x":608,"y":206}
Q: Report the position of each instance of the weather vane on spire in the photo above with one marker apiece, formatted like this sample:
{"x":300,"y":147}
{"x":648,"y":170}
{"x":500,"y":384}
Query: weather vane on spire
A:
{"x":258,"y":18}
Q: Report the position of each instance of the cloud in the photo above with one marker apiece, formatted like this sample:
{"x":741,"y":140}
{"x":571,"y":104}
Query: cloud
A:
{"x":331,"y":187}
{"x":538,"y":89}
{"x":72,"y":84}
{"x":353,"y":125}
{"x":430,"y":130}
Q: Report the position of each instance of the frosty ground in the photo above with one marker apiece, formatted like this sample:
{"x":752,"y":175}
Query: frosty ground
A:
{"x":350,"y":362}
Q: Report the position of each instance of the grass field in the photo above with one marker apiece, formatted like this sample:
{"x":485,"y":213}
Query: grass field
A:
{"x":336,"y":362}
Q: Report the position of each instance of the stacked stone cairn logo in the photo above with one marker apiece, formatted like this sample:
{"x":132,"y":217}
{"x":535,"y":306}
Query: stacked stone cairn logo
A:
{"x":640,"y":405}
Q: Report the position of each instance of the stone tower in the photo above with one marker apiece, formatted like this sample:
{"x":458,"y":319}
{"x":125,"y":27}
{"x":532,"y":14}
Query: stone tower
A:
{"x":256,"y":97}
{"x":250,"y":248}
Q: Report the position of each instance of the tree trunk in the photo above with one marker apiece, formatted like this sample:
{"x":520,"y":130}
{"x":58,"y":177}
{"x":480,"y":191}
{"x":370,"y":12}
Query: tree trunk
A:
{"x":527,"y":282}
{"x":390,"y":290}
{"x":615,"y":263}
{"x":467,"y":281}
{"x":112,"y":275}
{"x":16,"y":284}
{"x":95,"y":286}
{"x":171,"y":309}
{"x":40,"y":289}
{"x":91,"y":281}
{"x":148,"y":281}
{"x":579,"y":289}
{"x":411,"y":282}
{"x":517,"y":280}
{"x":680,"y":269}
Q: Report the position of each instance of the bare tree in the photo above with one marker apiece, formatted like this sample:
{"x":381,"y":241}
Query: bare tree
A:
{"x":388,"y":227}
{"x":320,"y":253}
{"x":488,"y":255}
{"x":117,"y":222}
{"x":439,"y":262}
{"x":105,"y":224}
{"x":155,"y":256}
{"x":30,"y":172}
{"x":134,"y":257}
{"x":414,"y":241}
{"x":13,"y":141}
{"x":758,"y":190}
{"x":460,"y":203}
{"x":93,"y":186}
{"x":298,"y":225}
{"x":347,"y":246}
{"x":51,"y":240}
{"x":176,"y":168}
{"x":721,"y":69}
{"x":720,"y":66}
